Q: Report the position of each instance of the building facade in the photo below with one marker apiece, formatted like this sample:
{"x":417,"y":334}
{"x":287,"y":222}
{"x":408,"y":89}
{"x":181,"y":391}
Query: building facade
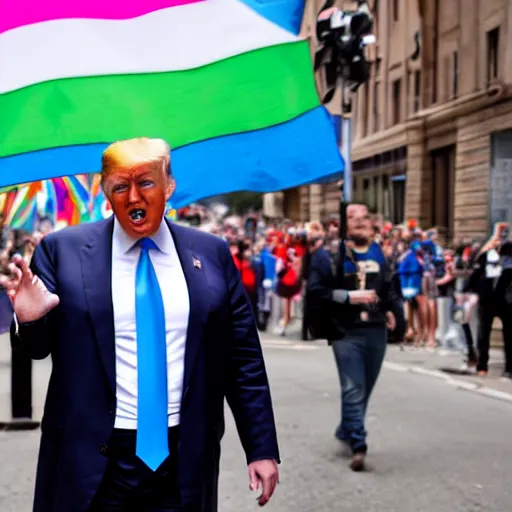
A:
{"x":432,"y":129}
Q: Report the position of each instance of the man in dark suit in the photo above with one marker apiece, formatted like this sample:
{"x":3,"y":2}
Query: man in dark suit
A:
{"x":149,"y":329}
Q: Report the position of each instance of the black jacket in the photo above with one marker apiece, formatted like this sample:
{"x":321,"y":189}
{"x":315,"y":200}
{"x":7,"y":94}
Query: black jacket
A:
{"x":331,"y":320}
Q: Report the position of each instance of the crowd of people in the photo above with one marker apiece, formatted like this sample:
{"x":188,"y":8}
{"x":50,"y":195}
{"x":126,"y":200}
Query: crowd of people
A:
{"x":445,"y":289}
{"x":16,"y":241}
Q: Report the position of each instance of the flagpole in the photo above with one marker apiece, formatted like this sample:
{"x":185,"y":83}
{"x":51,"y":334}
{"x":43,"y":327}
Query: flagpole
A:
{"x":346,"y":143}
{"x":346,"y":181}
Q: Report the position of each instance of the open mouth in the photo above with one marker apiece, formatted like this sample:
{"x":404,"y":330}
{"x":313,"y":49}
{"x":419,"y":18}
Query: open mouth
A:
{"x":137,"y":214}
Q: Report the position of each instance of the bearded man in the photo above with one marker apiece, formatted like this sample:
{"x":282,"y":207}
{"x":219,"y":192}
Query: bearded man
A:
{"x":353,"y":310}
{"x":149,"y":329}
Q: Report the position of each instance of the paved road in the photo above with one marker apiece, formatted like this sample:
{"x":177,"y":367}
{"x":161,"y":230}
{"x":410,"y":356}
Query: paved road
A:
{"x":433,"y":447}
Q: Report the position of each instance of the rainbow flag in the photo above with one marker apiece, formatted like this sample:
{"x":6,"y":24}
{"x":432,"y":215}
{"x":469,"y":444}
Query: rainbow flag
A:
{"x":228,"y":83}
{"x":23,"y":212}
{"x":61,"y":199}
{"x":73,"y":199}
{"x":99,"y":207}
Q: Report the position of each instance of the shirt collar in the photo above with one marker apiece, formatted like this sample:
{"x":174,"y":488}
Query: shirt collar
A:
{"x":162,"y":238}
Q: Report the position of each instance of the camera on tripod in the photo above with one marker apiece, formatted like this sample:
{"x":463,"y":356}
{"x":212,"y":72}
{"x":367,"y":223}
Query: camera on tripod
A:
{"x":343,"y":35}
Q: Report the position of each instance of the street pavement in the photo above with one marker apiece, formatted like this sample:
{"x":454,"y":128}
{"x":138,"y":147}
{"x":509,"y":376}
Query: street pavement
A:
{"x":441,"y":364}
{"x":434,"y":446}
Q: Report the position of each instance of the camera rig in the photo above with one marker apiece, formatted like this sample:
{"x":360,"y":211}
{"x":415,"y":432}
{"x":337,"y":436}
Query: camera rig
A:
{"x":342,"y":36}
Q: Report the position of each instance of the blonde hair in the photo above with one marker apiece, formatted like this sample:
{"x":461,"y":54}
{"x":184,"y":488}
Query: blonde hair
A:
{"x":314,"y":226}
{"x":127,"y":154}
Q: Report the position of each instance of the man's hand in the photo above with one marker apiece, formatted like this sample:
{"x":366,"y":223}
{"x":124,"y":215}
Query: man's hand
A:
{"x":390,"y":321}
{"x":362,"y":297}
{"x":266,"y":474}
{"x":325,"y":15}
{"x":29,"y":296}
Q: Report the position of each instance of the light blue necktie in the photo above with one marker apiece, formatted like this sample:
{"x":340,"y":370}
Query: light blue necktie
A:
{"x":152,"y":438}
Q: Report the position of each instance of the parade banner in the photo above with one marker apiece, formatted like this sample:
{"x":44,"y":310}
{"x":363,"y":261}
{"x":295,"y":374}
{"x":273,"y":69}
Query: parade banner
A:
{"x":228,"y":83}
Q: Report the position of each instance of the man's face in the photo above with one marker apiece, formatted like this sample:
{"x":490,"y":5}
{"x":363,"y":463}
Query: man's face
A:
{"x":333,"y":232}
{"x":138,"y":198}
{"x":315,"y":234}
{"x":359,"y":223}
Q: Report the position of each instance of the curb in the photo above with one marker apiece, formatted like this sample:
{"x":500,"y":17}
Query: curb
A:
{"x":457,"y":383}
{"x":288,"y":346}
{"x":268,"y":341}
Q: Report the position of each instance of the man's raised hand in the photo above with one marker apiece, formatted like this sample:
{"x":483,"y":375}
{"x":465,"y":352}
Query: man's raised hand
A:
{"x":30,"y":298}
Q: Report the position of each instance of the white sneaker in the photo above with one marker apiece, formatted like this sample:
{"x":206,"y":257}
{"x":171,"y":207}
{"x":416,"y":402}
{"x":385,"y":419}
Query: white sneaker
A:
{"x":466,"y":368}
{"x":280,"y":330}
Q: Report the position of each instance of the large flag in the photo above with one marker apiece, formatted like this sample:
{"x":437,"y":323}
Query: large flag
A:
{"x":64,"y":199}
{"x":228,"y":83}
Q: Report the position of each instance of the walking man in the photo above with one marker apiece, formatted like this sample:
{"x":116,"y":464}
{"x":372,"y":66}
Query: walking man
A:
{"x":149,"y":330}
{"x":357,"y":311}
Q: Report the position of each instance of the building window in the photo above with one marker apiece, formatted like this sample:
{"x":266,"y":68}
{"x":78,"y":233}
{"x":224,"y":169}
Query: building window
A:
{"x":446,"y":76}
{"x":365,"y":110}
{"x":386,"y":205}
{"x":367,"y":192}
{"x":493,"y":43}
{"x":396,"y":102}
{"x":396,"y":13}
{"x":375,"y":206}
{"x":443,"y":188}
{"x":376,"y":116}
{"x":455,"y":74}
{"x":398,"y":188}
{"x":358,"y":192}
{"x":417,"y":91}
{"x":376,"y":97}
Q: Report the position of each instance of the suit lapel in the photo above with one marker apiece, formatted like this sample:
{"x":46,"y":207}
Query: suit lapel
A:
{"x":96,"y":257}
{"x":195,"y":275}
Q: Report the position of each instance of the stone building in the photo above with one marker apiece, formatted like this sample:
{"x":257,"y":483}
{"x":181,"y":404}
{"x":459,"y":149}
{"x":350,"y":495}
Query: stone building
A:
{"x":432,"y":129}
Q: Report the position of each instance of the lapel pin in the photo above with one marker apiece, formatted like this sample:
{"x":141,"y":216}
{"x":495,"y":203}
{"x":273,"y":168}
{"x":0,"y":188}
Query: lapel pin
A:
{"x":196,"y":263}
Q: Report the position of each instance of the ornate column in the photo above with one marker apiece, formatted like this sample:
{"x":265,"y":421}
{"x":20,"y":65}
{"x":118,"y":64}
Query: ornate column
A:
{"x":316,"y":202}
{"x":418,"y":193}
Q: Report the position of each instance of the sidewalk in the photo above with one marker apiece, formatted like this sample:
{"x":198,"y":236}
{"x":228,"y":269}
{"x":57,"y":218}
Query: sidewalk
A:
{"x":418,"y":361}
{"x":438,"y":364}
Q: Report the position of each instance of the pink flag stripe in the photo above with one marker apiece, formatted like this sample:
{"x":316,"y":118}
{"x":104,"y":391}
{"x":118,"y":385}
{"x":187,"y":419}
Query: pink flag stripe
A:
{"x":18,"y":13}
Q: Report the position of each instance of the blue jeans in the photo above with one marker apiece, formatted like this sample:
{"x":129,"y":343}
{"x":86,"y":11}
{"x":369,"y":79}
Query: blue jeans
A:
{"x":359,"y":356}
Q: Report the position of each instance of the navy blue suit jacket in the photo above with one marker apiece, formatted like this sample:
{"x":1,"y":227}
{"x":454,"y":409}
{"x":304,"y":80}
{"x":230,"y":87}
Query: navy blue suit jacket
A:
{"x":223,"y":358}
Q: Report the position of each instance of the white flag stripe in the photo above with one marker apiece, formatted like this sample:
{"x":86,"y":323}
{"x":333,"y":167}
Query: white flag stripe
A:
{"x":173,"y":39}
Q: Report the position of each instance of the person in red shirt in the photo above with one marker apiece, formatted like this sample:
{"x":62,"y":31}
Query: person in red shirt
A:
{"x":288,"y":279}
{"x":300,"y":245}
{"x":242,"y":257}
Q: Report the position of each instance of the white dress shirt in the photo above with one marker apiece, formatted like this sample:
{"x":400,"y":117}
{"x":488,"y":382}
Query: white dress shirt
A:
{"x":125,"y":256}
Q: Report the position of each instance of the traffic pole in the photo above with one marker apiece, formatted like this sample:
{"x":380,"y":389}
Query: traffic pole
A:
{"x":346,"y":143}
{"x":21,"y":380}
{"x":21,"y":394}
{"x":346,"y":182}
